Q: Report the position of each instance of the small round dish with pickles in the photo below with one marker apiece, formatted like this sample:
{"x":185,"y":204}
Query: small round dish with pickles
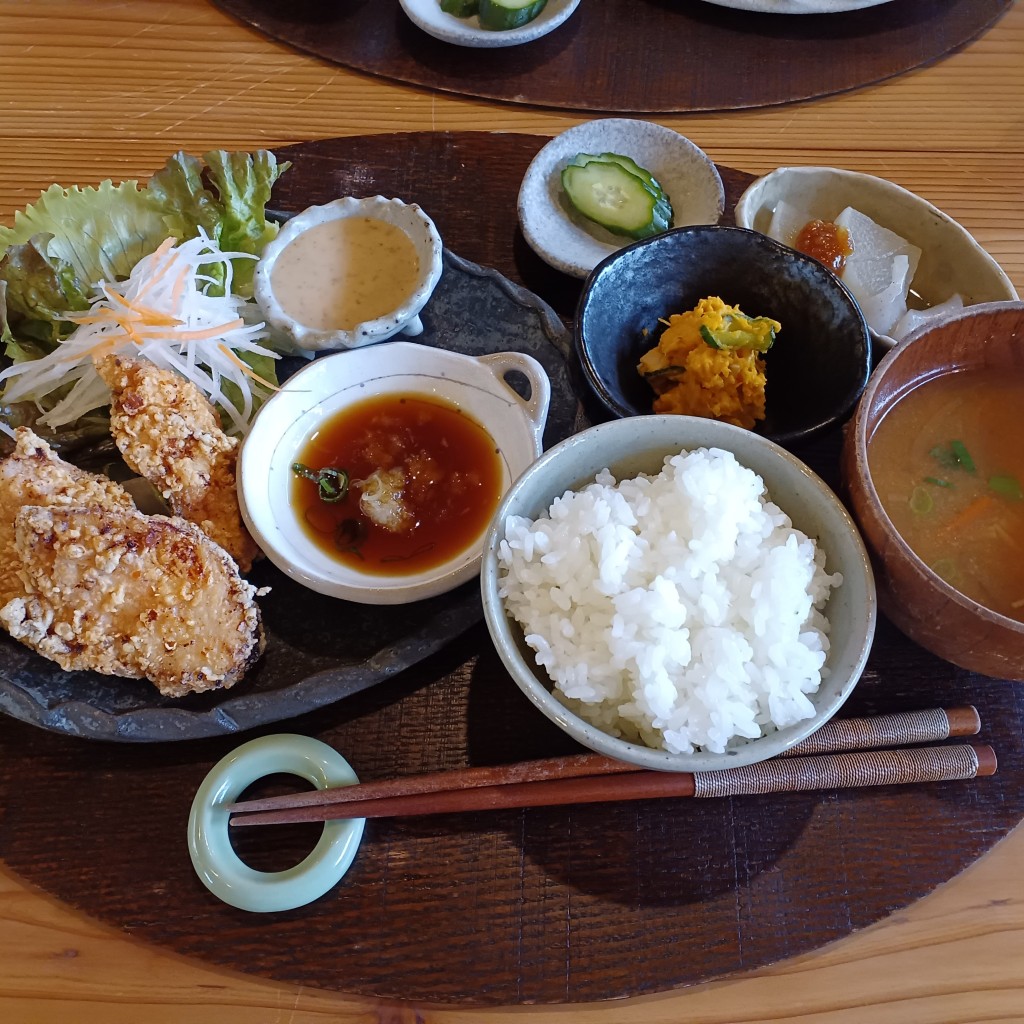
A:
{"x":605,"y":183}
{"x":488,"y":24}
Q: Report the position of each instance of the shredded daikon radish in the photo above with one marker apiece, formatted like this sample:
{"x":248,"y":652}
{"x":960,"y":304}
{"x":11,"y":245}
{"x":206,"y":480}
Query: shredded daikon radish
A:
{"x":163,"y":313}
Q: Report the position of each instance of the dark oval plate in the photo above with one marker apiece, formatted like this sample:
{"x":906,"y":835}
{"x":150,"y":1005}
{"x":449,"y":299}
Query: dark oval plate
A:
{"x":667,"y":54}
{"x":319,"y":649}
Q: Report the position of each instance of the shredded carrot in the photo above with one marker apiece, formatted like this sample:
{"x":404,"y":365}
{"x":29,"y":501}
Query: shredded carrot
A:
{"x":971,"y":513}
{"x":178,"y":288}
{"x":202,"y":334}
{"x":134,"y":335}
{"x":151,"y":316}
{"x":165,"y":312}
{"x":144,"y":313}
{"x":138,"y":332}
{"x":247,"y":369}
{"x":106,"y":347}
{"x":163,"y":249}
{"x":85,"y":318}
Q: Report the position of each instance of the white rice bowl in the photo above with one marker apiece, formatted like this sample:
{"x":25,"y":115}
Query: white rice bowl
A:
{"x":682,"y":610}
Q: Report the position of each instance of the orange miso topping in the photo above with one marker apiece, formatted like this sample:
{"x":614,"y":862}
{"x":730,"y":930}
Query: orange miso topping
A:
{"x":826,"y":242}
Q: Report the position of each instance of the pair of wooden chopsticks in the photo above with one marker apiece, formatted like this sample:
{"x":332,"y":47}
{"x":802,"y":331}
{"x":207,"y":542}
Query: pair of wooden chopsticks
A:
{"x":843,"y":753}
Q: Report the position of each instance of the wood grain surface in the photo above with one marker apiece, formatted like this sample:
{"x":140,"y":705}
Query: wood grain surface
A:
{"x":638,"y":55}
{"x":94,"y":90}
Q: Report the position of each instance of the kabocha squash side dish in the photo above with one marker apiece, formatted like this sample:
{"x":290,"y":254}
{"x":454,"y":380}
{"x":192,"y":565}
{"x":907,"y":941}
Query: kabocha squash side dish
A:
{"x":708,"y":362}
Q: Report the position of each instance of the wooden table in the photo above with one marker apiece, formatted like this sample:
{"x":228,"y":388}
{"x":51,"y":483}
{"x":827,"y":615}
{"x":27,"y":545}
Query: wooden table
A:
{"x":93,"y":90}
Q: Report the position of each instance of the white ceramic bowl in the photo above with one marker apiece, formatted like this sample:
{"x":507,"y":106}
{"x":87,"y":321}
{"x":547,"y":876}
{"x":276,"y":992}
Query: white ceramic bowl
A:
{"x":570,"y":243}
{"x":427,"y":15}
{"x":798,"y":6}
{"x":640,"y":444}
{"x":476,"y":385}
{"x":404,"y":319}
{"x":951,"y":260}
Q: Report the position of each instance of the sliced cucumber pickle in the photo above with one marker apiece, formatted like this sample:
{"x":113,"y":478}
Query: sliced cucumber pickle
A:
{"x":605,"y":192}
{"x":461,"y":8}
{"x":501,"y":15}
{"x":628,"y":162}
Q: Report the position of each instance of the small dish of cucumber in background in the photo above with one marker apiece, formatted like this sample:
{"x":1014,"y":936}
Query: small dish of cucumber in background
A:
{"x":488,"y":23}
{"x":662,"y":178}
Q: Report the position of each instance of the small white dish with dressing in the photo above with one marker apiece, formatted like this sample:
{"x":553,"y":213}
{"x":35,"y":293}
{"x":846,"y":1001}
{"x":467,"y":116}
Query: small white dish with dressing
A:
{"x":424,"y":443}
{"x":907,"y":260}
{"x":350,"y":273}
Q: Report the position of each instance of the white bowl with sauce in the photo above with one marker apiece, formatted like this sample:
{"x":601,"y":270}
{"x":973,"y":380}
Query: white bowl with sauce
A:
{"x":338,"y":549}
{"x":350,"y":273}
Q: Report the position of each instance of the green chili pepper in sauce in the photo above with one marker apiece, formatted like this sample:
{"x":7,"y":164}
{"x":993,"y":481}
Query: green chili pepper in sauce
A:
{"x":332,"y":483}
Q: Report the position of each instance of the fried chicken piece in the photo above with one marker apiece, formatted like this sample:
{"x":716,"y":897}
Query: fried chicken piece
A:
{"x":35,"y":475}
{"x":169,"y":433}
{"x":118,"y":592}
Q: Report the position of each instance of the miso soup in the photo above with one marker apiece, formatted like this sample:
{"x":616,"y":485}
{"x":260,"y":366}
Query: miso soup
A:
{"x":948,"y":464}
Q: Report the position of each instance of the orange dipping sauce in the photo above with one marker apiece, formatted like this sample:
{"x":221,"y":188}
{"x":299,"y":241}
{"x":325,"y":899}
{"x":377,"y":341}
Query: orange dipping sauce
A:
{"x":438,"y":480}
{"x":826,"y":242}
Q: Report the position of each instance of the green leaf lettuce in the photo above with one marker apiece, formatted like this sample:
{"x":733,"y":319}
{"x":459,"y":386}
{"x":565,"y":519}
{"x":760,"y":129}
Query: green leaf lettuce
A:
{"x":63,"y":245}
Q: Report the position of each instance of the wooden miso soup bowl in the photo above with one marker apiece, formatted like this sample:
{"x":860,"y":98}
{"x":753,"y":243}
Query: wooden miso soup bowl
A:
{"x":919,"y":602}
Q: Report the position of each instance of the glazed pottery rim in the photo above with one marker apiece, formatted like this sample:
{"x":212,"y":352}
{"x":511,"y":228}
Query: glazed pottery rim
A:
{"x":503,"y":630}
{"x":596,"y":382}
{"x":862,"y":446}
{"x":812,"y":7}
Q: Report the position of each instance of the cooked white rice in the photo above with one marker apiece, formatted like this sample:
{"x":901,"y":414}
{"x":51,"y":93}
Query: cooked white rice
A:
{"x":681,"y":610}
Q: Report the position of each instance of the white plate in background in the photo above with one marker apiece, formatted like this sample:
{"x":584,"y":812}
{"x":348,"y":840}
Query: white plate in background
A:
{"x":797,"y":6}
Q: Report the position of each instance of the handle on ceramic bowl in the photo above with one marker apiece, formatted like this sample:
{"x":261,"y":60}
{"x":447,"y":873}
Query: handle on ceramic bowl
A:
{"x":536,"y":406}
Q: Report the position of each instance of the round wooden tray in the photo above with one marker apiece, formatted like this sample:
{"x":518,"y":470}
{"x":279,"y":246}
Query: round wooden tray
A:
{"x":511,"y":907}
{"x":638,"y":55}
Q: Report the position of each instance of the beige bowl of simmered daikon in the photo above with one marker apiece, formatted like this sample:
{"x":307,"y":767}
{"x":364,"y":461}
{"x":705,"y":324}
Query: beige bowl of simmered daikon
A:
{"x":934,"y":472}
{"x":349,"y":273}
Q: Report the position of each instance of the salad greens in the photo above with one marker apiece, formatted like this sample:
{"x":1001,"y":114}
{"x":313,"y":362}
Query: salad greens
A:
{"x":230,"y":209}
{"x":62,"y":245}
{"x":65,"y":245}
